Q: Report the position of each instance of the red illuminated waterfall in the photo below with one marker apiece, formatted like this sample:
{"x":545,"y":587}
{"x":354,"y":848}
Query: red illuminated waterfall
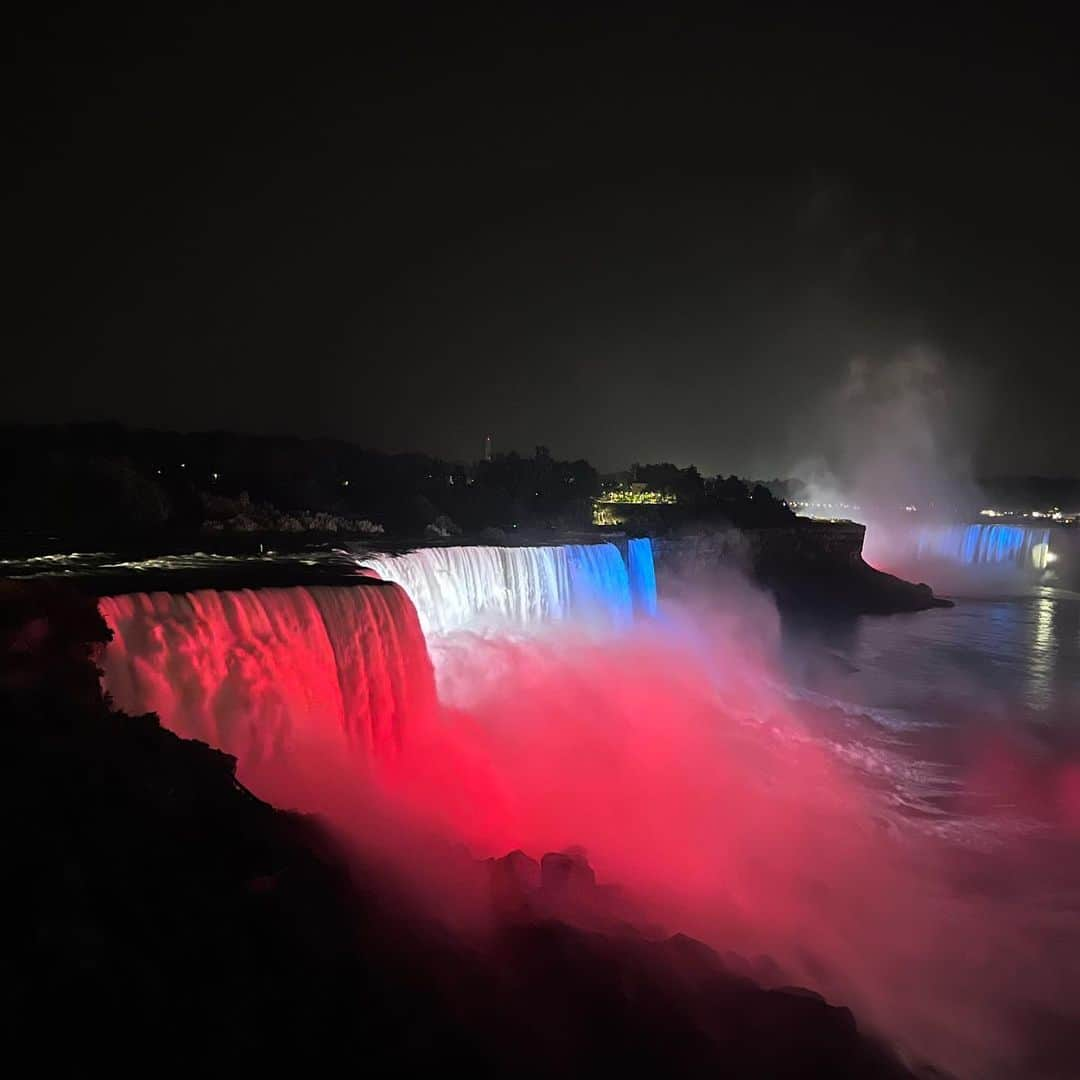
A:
{"x":283,"y":678}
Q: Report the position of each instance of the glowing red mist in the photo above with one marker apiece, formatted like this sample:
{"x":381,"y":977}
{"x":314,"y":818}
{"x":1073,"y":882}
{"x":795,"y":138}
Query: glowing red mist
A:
{"x":671,"y":755}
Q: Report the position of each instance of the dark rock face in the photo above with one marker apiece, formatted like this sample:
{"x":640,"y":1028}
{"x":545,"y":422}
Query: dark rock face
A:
{"x":515,"y":879}
{"x":167,"y":918}
{"x":859,"y":590}
{"x":49,"y":637}
{"x":810,"y":565}
{"x":566,"y":874}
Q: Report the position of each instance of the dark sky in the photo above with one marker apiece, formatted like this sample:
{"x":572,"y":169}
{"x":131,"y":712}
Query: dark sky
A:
{"x":628,"y":238}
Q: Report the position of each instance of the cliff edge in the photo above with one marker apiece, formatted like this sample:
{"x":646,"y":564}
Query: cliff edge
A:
{"x":806,"y":565}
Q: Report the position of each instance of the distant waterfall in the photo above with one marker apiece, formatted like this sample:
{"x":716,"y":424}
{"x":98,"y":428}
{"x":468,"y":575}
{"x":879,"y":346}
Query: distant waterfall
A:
{"x":274,"y":675}
{"x":985,"y":545}
{"x":456,"y":588}
{"x":642,"y":572}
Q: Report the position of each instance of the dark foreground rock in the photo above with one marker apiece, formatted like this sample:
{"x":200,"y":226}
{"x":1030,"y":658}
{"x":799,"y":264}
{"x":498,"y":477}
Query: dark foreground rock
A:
{"x":167,"y":919}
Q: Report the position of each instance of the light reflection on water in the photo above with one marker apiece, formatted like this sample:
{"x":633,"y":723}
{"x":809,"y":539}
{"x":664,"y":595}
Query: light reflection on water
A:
{"x":994,"y":653}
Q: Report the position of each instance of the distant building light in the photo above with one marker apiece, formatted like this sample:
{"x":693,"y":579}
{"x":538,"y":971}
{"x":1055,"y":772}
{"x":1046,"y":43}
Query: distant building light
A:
{"x":639,"y":495}
{"x":214,"y":475}
{"x":344,"y":483}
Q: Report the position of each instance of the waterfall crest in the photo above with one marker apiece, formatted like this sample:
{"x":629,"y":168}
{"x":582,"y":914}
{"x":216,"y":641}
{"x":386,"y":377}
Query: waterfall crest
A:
{"x":272,"y":675}
{"x":457,"y":588}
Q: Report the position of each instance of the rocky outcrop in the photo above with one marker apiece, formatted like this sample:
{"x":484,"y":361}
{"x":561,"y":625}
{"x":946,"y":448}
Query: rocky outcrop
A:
{"x":809,"y":565}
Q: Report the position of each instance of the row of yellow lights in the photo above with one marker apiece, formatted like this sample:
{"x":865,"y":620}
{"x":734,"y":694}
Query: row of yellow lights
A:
{"x":1053,"y":514}
{"x":648,"y":497}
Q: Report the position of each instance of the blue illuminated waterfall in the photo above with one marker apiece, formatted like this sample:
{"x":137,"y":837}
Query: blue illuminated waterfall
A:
{"x":599,"y":583}
{"x":985,"y":545}
{"x":642,"y":571}
{"x":455,"y":588}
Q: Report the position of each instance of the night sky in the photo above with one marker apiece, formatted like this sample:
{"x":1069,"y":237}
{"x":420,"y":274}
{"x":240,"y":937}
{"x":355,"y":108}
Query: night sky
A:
{"x":626,"y":238}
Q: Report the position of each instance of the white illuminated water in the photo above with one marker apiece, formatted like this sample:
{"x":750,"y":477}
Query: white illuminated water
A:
{"x":476,"y":588}
{"x":274,"y":674}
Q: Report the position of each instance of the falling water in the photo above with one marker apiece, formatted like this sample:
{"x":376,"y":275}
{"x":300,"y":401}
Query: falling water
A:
{"x":1002,"y":545}
{"x":642,"y":571}
{"x":280,"y":676}
{"x":458,"y":588}
{"x":743,"y":817}
{"x":276,"y":675}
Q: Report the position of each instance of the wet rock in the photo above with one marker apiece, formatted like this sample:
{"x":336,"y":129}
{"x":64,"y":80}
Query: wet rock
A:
{"x":566,"y":876}
{"x":765,"y":970}
{"x":514,"y":878}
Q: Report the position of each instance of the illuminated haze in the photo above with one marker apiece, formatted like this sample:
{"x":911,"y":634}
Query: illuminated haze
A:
{"x":899,"y":430}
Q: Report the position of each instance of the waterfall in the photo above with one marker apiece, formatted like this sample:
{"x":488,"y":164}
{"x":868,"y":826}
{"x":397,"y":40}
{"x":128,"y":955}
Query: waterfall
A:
{"x":457,"y":588}
{"x":274,"y":676}
{"x":292,"y":681}
{"x":642,"y":572}
{"x":985,"y":545}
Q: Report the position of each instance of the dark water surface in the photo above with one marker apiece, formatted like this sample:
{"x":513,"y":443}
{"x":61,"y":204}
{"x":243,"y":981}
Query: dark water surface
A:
{"x":996,"y":654}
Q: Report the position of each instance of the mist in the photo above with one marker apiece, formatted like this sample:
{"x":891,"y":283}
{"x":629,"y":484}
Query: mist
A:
{"x":677,"y":759}
{"x":896,"y":447}
{"x":710,"y":795}
{"x":899,"y":429}
{"x":689,"y":777}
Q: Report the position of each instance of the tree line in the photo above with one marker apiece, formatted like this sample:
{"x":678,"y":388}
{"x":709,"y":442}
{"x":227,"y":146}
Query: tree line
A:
{"x":101,"y":479}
